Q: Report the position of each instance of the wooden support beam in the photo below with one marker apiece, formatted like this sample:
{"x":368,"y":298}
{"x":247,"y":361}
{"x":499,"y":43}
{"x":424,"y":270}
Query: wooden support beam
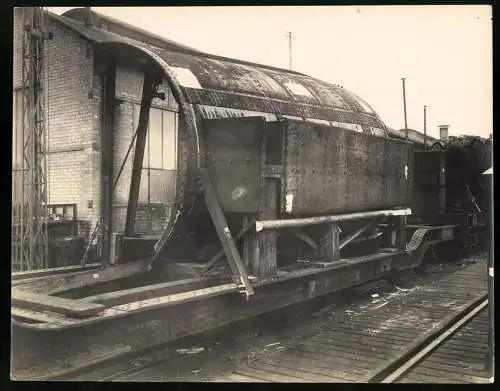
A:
{"x":299,"y":233}
{"x":247,"y":224}
{"x":248,"y":243}
{"x":148,"y":91}
{"x":265,"y":244}
{"x":224,"y":233}
{"x":108,"y":89}
{"x":33,"y":316}
{"x":344,"y":242}
{"x":31,"y":274}
{"x":303,"y":222}
{"x":66,"y":282}
{"x":147,"y":292}
{"x":396,"y":232}
{"x":55,"y":304}
{"x":330,"y":243}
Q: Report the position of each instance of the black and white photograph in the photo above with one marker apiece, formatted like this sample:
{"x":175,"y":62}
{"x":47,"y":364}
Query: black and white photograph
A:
{"x":249,"y":194}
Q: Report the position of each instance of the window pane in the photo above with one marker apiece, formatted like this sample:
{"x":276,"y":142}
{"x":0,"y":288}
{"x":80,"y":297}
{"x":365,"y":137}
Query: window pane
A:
{"x":169,"y":140}
{"x":145,"y":161}
{"x":162,"y":186}
{"x":143,"y":188}
{"x":155,"y":138}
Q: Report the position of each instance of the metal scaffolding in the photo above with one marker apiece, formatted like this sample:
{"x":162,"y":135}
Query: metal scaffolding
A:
{"x":30,"y":224}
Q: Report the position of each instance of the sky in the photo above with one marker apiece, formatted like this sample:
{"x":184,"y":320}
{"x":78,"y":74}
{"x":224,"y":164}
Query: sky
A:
{"x":444,"y":52}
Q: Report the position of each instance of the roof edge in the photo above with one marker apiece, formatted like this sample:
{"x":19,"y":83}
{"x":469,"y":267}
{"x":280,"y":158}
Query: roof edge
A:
{"x":74,"y":15}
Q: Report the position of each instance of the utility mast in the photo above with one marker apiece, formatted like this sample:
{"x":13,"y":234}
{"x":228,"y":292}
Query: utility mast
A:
{"x":289,"y":50}
{"x":33,"y":219}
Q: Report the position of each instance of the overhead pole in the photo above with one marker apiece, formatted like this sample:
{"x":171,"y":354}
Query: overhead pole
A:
{"x":403,"y":79}
{"x":34,"y":242}
{"x":425,"y":127}
{"x":290,"y":50}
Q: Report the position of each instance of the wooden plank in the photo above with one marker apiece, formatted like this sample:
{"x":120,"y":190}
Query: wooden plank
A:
{"x":224,"y":233}
{"x":313,"y":372}
{"x":63,"y":283}
{"x":303,"y":222}
{"x":41,"y":317}
{"x":55,"y":304}
{"x":285,"y":370}
{"x":32,"y":274}
{"x":147,"y":292}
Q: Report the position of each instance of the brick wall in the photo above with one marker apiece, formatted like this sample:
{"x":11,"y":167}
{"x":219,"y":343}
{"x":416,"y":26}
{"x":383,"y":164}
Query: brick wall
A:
{"x":73,"y":104}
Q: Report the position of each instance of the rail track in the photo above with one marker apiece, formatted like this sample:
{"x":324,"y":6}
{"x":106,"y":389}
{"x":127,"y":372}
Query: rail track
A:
{"x":400,"y":332}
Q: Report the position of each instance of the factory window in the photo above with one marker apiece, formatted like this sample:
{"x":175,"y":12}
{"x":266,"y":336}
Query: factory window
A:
{"x":160,"y":157}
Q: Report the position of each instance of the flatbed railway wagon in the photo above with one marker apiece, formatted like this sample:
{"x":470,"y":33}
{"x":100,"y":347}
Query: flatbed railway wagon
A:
{"x":281,"y":188}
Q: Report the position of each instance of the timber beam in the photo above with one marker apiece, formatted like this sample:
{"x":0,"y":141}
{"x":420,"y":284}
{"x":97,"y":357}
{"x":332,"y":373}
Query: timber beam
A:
{"x":151,"y":81}
{"x":303,"y":222}
{"x":247,"y":225}
{"x":224,"y":233}
{"x":108,"y":102}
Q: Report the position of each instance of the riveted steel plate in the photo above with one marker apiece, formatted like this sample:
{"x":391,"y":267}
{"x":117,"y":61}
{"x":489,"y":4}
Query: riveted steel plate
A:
{"x":333,"y":170}
{"x":234,"y":161}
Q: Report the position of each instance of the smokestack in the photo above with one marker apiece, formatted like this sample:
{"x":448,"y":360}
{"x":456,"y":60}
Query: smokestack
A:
{"x":443,"y":132}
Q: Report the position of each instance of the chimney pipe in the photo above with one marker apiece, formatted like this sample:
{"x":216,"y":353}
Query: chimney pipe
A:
{"x":443,"y":132}
{"x":89,"y":22}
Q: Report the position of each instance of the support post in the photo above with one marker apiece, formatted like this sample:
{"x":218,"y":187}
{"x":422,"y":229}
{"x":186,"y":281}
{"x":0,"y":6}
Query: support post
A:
{"x":404,"y":108}
{"x":265,"y":256}
{"x":224,"y":233}
{"x":109,"y":80}
{"x":248,"y":245}
{"x":442,"y":184}
{"x":116,"y":246}
{"x":148,"y":91}
{"x":396,"y":232}
{"x":330,"y":243}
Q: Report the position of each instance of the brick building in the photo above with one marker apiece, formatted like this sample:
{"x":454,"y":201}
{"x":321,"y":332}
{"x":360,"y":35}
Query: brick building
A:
{"x":73,"y":98}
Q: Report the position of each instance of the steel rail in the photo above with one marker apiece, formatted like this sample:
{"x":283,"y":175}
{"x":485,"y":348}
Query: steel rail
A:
{"x":393,"y":370}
